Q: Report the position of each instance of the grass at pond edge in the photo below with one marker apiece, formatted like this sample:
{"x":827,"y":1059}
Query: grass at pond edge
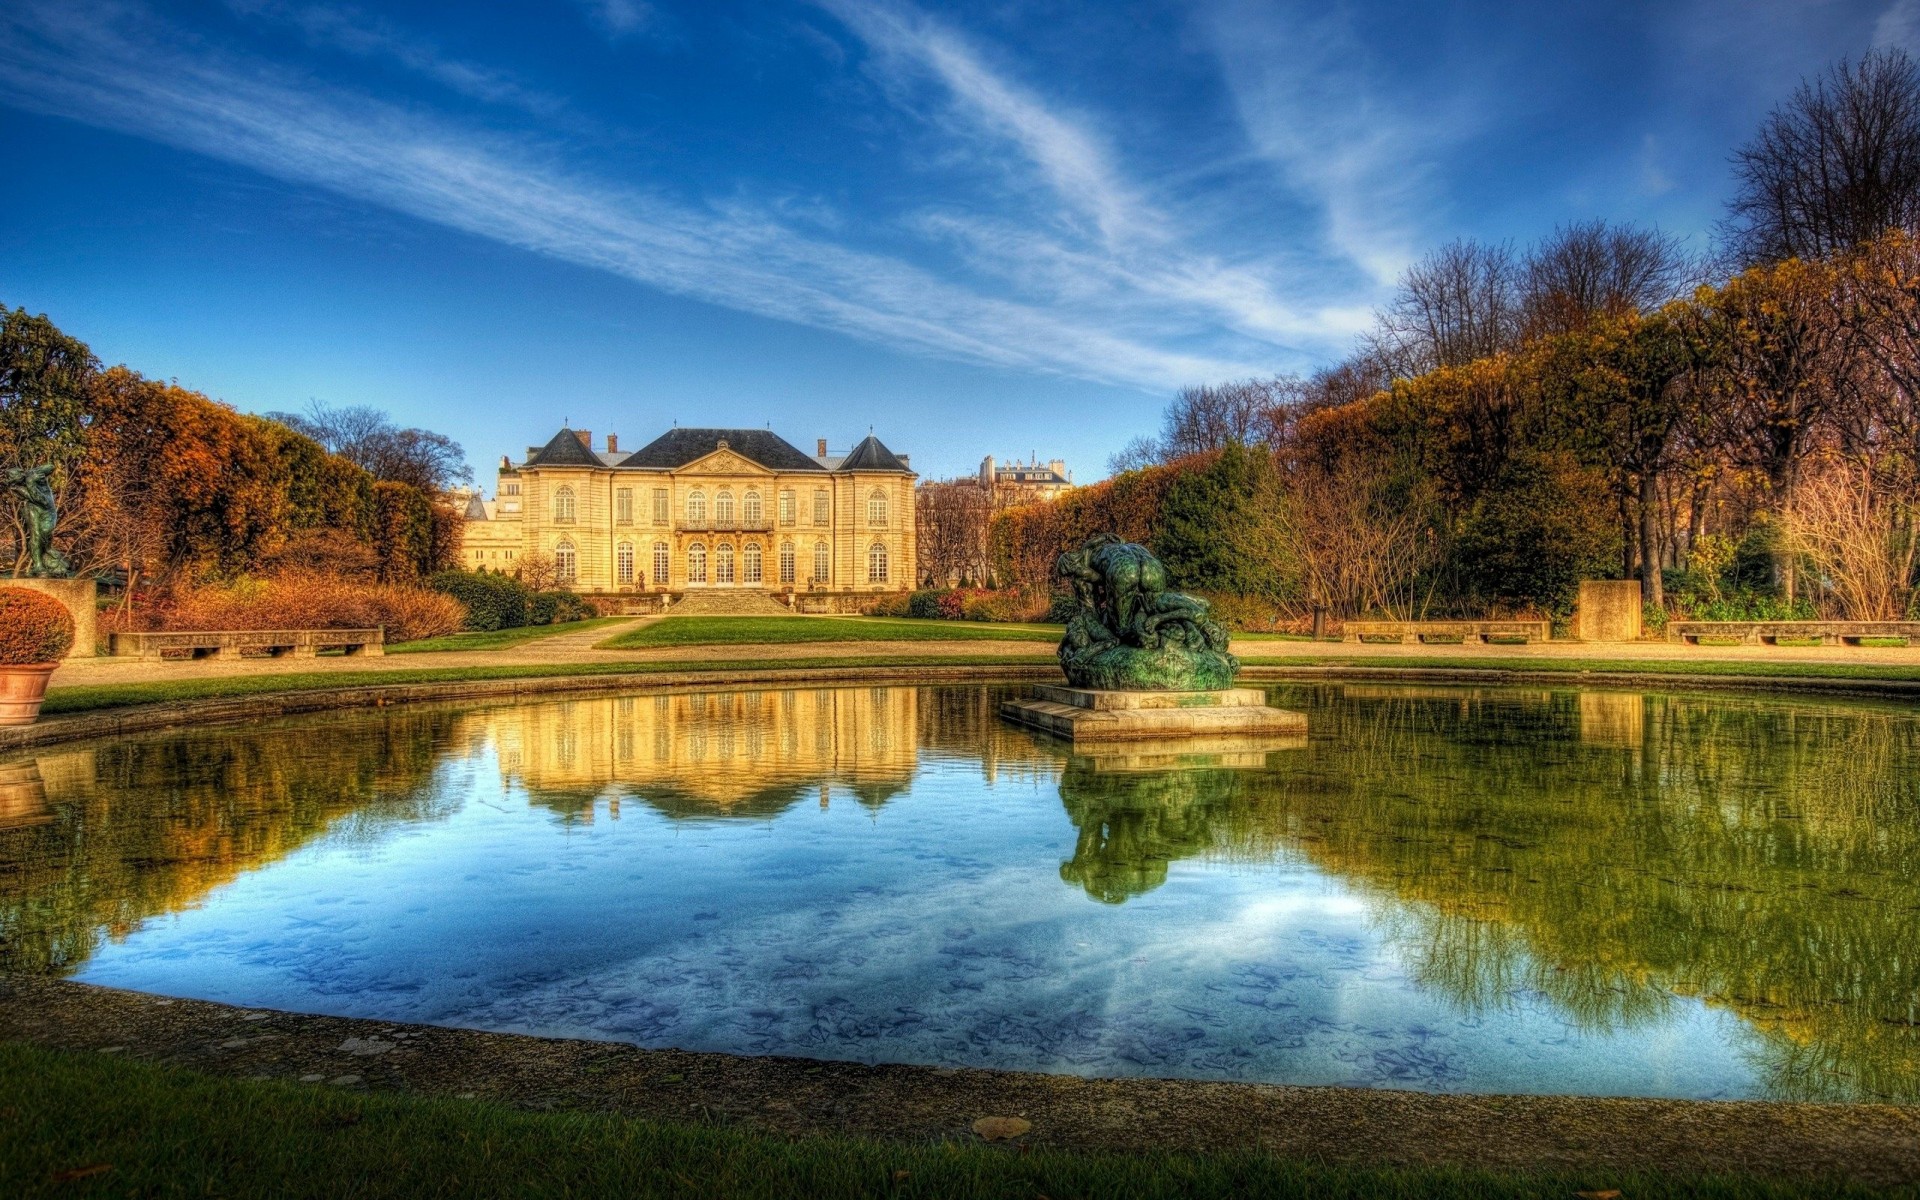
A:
{"x":766,"y":631}
{"x":80,"y":1124}
{"x":94,"y":697}
{"x":500,"y":639}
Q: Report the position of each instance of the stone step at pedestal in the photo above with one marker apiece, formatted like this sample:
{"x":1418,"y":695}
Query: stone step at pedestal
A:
{"x":1217,"y":718}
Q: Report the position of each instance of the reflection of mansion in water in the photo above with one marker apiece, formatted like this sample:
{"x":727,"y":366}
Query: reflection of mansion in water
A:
{"x":736,"y":753}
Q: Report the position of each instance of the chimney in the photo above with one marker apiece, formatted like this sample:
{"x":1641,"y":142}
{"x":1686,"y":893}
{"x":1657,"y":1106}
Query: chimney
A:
{"x":1059,"y":467}
{"x":822,"y":451}
{"x":613,"y":443}
{"x":585,"y":436}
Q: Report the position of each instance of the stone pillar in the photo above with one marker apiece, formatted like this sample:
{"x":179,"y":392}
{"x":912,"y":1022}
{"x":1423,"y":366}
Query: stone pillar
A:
{"x":1609,"y":610}
{"x":79,"y":595}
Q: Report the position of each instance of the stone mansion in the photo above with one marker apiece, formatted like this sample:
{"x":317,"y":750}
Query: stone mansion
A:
{"x":703,"y":509}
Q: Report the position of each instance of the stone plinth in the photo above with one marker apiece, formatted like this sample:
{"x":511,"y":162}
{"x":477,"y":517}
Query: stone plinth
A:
{"x":1216,"y":719}
{"x":79,"y":596}
{"x":1609,"y":610}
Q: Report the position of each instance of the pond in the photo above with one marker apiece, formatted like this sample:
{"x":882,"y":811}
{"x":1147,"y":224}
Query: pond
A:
{"x":1448,"y":889}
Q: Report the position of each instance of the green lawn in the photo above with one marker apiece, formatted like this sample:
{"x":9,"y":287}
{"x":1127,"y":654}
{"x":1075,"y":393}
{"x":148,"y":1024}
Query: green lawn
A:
{"x":90,"y":697}
{"x":77,"y":1124}
{"x":500,"y":639}
{"x":744,"y":631}
{"x":1746,"y":668}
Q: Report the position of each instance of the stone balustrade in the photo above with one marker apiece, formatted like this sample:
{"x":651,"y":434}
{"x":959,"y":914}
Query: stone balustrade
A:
{"x":1409,"y":632}
{"x":235,"y":643}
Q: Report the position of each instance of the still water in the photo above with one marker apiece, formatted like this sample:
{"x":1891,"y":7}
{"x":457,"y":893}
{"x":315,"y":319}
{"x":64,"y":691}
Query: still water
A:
{"x":1444,"y":889}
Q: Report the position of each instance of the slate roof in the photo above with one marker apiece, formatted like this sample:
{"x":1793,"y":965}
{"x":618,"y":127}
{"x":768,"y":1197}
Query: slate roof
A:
{"x":564,"y":450}
{"x":871,"y":455}
{"x":476,"y":508}
{"x":678,"y":447}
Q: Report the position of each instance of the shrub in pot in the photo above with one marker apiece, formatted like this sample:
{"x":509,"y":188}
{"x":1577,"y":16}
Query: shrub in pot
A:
{"x":36,"y":631}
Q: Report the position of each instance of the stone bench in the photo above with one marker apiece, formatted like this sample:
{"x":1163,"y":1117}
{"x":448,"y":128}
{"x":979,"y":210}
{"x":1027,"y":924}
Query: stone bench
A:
{"x":1409,"y":632}
{"x":236,"y":643}
{"x":1770,"y":632}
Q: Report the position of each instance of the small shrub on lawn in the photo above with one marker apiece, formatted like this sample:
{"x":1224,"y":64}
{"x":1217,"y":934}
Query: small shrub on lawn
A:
{"x":492,"y":601}
{"x":34,"y":628}
{"x":307,"y":600}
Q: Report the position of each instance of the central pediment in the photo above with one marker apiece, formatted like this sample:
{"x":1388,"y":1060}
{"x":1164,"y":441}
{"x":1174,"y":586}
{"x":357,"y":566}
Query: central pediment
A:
{"x":723,"y":461}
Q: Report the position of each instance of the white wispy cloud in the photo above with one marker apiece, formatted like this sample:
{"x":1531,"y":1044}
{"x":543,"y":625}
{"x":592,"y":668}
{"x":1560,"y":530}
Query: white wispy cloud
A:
{"x":367,"y":35}
{"x":1308,"y":97}
{"x":620,"y":19}
{"x":115,"y":66}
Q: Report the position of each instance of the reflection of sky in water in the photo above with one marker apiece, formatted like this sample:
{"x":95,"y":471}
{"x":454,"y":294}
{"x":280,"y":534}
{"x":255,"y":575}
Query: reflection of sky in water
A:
{"x":935,"y":928}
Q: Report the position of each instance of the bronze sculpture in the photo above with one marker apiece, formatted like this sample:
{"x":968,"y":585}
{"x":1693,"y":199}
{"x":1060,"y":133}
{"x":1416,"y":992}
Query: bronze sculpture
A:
{"x":1127,"y":632}
{"x":34,"y":488}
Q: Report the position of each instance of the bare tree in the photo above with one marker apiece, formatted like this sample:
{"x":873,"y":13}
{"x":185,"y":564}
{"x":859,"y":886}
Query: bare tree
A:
{"x":537,"y":570}
{"x":1592,"y":270}
{"x":1359,"y":554}
{"x":951,"y":519}
{"x":368,"y":438}
{"x":1858,"y":536}
{"x":1838,"y":164}
{"x":1459,"y":303}
{"x":1208,"y":417}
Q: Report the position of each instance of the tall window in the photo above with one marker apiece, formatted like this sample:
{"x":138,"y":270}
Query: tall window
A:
{"x":696,"y":507}
{"x":786,"y":506}
{"x":696,"y":563}
{"x":876,"y":563}
{"x":822,"y":508}
{"x":822,"y":566}
{"x":623,"y":506}
{"x":877,"y":507}
{"x":723,"y":507}
{"x":563,"y":505}
{"x":659,"y":506}
{"x":786,"y":562}
{"x":723,"y":563}
{"x":566,"y":564}
{"x":662,"y":566}
{"x":752,"y":514}
{"x":750,"y":563}
{"x":623,"y":562}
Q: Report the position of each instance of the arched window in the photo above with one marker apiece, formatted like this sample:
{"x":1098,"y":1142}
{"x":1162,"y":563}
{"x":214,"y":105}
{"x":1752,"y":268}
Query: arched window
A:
{"x":753,"y":511}
{"x":750,"y":563}
{"x":822,"y":566}
{"x":723,"y":507}
{"x":876,"y":563}
{"x":563,"y":505}
{"x":623,"y":562}
{"x":696,"y":563}
{"x":822,"y":507}
{"x":696,"y":507}
{"x":723,"y":563}
{"x":566,"y":564}
{"x":877,"y":507}
{"x":661,"y":564}
{"x":786,"y":562}
{"x":786,"y":506}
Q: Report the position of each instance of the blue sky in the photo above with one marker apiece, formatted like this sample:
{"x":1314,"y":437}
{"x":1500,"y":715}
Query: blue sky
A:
{"x":983,"y":228}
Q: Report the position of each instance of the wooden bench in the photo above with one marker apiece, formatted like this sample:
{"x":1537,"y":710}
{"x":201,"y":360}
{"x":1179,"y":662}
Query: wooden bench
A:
{"x":237,"y":643}
{"x":1408,"y":632}
{"x":1770,"y":632}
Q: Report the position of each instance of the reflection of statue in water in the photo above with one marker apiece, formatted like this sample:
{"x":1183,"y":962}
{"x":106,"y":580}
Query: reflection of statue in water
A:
{"x":1133,"y":824}
{"x":34,"y":488}
{"x":1127,"y":632}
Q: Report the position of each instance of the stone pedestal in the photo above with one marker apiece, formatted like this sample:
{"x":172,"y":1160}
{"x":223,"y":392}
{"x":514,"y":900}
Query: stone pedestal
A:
{"x":1609,"y":610}
{"x":79,"y":595}
{"x":1207,"y":721}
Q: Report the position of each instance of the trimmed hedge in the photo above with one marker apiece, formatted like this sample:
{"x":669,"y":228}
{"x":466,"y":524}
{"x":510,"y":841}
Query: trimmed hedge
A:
{"x":503,"y":602}
{"x":34,"y":628}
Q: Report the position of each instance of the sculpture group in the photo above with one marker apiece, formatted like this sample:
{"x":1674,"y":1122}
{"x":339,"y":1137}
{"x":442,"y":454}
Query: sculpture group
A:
{"x":1127,"y":632}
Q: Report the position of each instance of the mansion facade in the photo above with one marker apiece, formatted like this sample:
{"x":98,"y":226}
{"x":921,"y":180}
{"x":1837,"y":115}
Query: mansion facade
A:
{"x":701,"y":509}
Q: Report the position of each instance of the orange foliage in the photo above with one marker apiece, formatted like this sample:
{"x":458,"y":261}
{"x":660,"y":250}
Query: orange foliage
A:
{"x":34,"y":628}
{"x":304,"y":600}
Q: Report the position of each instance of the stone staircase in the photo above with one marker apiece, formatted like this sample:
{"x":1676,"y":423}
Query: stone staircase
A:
{"x":728,"y":602}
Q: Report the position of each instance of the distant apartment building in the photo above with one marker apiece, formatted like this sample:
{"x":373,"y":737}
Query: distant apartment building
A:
{"x":1019,"y":482}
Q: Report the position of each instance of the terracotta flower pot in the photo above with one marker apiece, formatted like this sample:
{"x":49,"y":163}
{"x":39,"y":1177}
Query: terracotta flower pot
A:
{"x":21,"y":691}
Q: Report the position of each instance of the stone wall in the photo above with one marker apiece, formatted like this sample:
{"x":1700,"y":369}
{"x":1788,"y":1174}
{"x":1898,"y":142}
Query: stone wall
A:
{"x":79,"y":595}
{"x":1609,"y":610}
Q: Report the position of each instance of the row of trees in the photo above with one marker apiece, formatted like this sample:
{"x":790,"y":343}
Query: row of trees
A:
{"x":160,"y":483}
{"x":1588,"y":407}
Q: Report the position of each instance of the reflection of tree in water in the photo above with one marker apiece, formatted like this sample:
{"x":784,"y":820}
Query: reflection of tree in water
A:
{"x":140,"y":827}
{"x":1755,"y":854}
